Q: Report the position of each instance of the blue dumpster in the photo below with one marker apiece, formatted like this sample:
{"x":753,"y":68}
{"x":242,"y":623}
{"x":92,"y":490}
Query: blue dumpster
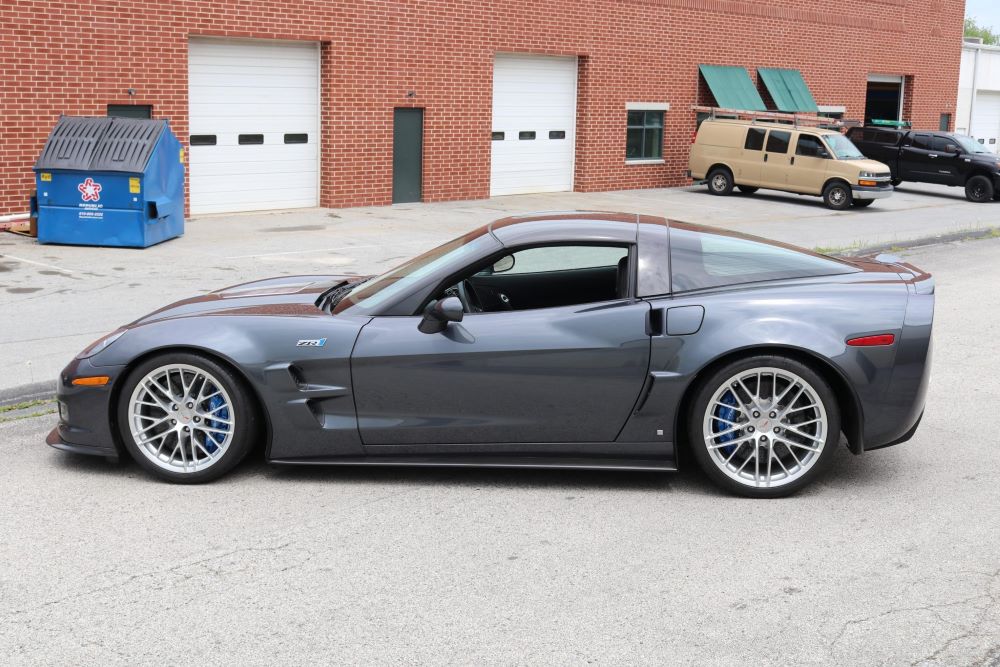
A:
{"x":110,"y":182}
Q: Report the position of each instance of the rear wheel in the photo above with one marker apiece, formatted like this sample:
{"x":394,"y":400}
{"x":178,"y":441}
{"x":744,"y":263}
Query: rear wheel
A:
{"x":720,"y":181}
{"x":863,"y":203}
{"x":186,"y":418}
{"x":837,"y":195}
{"x":764,"y":426}
{"x":747,"y":189}
{"x":979,"y":189}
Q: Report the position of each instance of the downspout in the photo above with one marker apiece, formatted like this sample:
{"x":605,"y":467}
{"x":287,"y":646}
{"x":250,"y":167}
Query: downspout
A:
{"x":975,"y":89}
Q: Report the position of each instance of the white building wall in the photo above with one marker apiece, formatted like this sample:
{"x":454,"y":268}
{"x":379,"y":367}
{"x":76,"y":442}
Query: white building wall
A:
{"x":978,"y":89}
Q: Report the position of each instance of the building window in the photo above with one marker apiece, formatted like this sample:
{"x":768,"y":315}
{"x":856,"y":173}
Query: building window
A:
{"x":130,"y":110}
{"x":945,"y":124}
{"x":250,"y":139}
{"x":526,"y":135}
{"x":498,"y":136}
{"x":644,"y":137}
{"x":296,"y":138}
{"x":202,"y":140}
{"x":557,"y":134}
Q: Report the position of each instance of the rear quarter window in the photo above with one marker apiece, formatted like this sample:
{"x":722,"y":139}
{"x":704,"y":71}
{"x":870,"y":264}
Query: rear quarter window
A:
{"x":702,"y":259}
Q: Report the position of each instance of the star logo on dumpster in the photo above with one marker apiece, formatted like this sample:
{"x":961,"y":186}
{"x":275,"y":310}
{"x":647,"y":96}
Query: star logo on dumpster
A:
{"x":89,"y":190}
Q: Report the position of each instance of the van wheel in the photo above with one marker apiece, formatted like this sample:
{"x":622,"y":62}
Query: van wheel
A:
{"x":838,"y":196}
{"x":896,"y":182}
{"x":747,"y":189}
{"x":720,"y":182}
{"x":979,"y":189}
{"x":863,"y":203}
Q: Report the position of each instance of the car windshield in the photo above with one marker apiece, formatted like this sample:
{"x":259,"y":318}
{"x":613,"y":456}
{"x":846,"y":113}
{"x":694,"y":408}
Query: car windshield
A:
{"x":969,"y":145}
{"x":375,"y":292}
{"x":843,"y":147}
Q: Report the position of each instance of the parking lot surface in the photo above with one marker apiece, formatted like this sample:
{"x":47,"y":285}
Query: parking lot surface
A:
{"x":894,"y":558}
{"x":57,"y":299}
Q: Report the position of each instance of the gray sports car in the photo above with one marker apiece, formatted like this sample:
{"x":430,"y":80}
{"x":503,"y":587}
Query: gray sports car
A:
{"x":576,"y":340}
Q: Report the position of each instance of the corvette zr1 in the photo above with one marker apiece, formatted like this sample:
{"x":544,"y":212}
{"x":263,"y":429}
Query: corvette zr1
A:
{"x":572,"y":340}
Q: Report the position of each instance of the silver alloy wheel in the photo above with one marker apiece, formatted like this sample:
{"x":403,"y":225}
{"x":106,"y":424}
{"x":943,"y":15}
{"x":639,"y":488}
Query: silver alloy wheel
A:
{"x":838,"y":195}
{"x":719,"y":182}
{"x":765,"y":427}
{"x":181,"y":418}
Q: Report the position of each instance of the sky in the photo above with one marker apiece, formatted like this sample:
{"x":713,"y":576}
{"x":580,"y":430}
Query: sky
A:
{"x":986,"y":12}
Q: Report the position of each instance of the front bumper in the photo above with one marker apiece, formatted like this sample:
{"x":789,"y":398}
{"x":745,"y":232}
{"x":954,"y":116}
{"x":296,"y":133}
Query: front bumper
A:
{"x":85,"y":419}
{"x":868,"y":192}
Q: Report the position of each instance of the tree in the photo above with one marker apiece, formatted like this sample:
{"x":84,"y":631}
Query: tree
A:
{"x":973,"y":29}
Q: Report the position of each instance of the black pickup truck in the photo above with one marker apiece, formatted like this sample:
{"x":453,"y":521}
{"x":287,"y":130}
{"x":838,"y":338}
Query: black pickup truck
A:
{"x":932,"y":157}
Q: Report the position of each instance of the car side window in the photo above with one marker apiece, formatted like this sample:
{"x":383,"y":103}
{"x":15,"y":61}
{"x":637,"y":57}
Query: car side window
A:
{"x":944,"y":145}
{"x":921,"y":141}
{"x":810,"y":146}
{"x":547,"y":276}
{"x":778,"y":141}
{"x":755,"y":139}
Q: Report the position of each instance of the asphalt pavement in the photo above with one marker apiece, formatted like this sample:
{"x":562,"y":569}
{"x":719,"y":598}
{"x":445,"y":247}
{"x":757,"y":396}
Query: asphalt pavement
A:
{"x":55,"y":300}
{"x":893,"y":558}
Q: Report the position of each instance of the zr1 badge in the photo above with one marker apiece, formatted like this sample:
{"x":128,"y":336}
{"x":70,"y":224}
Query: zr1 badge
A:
{"x":311,"y":342}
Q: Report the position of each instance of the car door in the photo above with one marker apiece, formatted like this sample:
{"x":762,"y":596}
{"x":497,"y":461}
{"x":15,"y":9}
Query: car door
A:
{"x":949,"y":161}
{"x":750,"y":164}
{"x":564,"y":374}
{"x":807,"y":172}
{"x":918,"y":161}
{"x":774,"y":173}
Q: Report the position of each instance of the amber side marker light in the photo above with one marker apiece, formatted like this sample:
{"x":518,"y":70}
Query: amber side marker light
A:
{"x":872,"y":341}
{"x":870,"y":184}
{"x":95,"y":381}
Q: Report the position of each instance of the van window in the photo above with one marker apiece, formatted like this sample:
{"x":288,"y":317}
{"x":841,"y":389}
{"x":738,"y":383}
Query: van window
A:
{"x":777,"y":141}
{"x":810,"y":146}
{"x":755,"y":139}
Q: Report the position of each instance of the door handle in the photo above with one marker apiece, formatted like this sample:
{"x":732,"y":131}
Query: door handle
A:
{"x":655,"y":322}
{"x":792,"y":160}
{"x":934,"y":155}
{"x":765,"y":157}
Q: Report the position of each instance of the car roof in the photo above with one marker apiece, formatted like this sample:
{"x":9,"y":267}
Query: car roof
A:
{"x":571,"y":226}
{"x":766,"y":125}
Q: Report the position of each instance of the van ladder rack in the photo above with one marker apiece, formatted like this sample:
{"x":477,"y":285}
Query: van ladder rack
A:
{"x":795,"y":119}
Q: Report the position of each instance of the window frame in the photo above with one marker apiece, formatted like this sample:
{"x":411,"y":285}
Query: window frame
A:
{"x":755,"y":131}
{"x":629,"y":128}
{"x":788,"y":145}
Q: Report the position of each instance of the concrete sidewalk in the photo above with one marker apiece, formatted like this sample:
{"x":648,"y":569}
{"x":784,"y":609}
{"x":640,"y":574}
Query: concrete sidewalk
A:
{"x":54,"y":300}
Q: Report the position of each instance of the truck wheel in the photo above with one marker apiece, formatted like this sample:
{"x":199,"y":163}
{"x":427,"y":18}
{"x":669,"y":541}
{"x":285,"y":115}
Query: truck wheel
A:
{"x":838,"y":196}
{"x":747,"y":189}
{"x":979,"y":189}
{"x":896,"y":182}
{"x":720,"y":181}
{"x":863,"y":203}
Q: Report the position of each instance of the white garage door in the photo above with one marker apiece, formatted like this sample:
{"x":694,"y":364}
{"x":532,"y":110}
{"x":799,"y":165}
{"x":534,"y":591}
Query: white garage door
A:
{"x":986,"y":119}
{"x":254,"y":116}
{"x":534,"y":124}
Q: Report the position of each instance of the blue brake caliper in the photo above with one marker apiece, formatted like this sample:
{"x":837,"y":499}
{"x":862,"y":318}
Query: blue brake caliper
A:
{"x":729,"y":414}
{"x":213,"y":439}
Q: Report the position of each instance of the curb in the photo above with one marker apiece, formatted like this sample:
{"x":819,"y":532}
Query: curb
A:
{"x":27,"y":392}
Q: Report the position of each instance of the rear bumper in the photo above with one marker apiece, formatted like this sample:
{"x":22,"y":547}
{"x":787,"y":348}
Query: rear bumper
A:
{"x":865,"y":192}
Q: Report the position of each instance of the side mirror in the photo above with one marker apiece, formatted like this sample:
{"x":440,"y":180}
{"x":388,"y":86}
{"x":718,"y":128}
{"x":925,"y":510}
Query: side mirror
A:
{"x":505,"y":263}
{"x":438,"y":313}
{"x":954,"y":150}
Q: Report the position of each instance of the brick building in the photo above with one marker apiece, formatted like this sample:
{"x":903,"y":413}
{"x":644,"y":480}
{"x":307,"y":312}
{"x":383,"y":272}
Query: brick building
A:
{"x":359,"y":102}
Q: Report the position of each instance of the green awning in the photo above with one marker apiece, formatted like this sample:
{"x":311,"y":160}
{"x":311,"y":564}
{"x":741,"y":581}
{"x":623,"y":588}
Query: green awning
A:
{"x":732,"y":87}
{"x":788,"y":89}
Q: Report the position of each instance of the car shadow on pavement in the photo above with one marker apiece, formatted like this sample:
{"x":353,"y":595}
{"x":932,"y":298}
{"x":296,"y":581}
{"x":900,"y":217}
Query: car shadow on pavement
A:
{"x":956,"y":193}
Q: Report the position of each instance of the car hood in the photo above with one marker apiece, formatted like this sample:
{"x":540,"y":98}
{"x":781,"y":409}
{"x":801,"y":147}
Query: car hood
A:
{"x":284,"y":296}
{"x":869,"y":165}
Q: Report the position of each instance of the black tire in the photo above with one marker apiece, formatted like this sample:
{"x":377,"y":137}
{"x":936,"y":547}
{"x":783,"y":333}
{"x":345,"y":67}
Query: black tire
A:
{"x":720,"y":181}
{"x":896,"y":182}
{"x":838,"y":196}
{"x":747,"y":189}
{"x":863,"y":203}
{"x":246,"y":426}
{"x":709,"y":386}
{"x":979,"y":189}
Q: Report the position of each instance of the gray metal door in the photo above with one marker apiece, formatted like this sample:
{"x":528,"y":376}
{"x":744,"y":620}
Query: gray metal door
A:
{"x":407,"y":154}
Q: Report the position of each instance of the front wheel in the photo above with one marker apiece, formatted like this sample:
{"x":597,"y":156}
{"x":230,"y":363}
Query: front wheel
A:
{"x":838,"y":196}
{"x":186,"y":418}
{"x":979,"y":189}
{"x":764,"y":426}
{"x":720,"y":182}
{"x":863,"y":203}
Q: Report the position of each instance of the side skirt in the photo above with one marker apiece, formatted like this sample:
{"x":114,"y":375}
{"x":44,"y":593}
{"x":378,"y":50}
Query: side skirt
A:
{"x":486,"y":462}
